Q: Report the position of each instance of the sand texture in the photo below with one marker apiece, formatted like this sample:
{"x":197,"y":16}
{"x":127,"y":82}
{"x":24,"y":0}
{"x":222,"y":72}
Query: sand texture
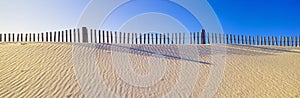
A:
{"x":57,"y":70}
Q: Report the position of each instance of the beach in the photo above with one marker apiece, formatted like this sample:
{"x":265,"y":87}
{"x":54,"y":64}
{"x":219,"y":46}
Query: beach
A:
{"x":48,"y":70}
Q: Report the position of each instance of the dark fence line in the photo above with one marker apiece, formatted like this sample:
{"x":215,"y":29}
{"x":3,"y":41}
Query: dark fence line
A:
{"x":85,"y":35}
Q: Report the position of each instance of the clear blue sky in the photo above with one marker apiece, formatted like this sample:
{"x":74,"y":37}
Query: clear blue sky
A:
{"x":262,"y":17}
{"x":250,"y":17}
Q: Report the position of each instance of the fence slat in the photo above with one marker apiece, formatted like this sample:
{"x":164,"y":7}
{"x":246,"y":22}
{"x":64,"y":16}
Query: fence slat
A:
{"x":100,"y":36}
{"x":0,"y":37}
{"x":299,"y":41}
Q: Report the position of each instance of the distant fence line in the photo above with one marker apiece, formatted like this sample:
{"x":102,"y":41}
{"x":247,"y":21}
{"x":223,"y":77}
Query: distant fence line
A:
{"x":84,"y":35}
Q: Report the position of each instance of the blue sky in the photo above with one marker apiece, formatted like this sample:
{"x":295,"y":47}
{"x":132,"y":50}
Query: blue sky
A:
{"x":262,"y":17}
{"x":250,"y":17}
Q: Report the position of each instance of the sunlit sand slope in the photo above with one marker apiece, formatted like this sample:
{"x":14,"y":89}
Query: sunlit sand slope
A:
{"x":48,"y":70}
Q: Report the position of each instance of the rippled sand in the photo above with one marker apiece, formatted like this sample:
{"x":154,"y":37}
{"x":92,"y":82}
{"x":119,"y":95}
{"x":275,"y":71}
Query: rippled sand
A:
{"x":47,"y":70}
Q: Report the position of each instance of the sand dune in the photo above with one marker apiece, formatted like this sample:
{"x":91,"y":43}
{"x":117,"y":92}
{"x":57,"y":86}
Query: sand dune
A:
{"x":48,"y":70}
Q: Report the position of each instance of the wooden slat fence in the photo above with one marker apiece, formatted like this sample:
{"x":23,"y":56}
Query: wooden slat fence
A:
{"x":85,"y":35}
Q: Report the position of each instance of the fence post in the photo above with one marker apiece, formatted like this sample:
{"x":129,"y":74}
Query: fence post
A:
{"x":276,"y":40}
{"x":227,"y":39}
{"x":84,"y":35}
{"x":212,"y":38}
{"x":191,"y":38}
{"x":30,"y":37}
{"x":13,"y":37}
{"x":179,"y":38}
{"x":153,"y":38}
{"x":268,"y":40}
{"x":120,"y":38}
{"x":78,"y":35}
{"x":216,"y":38}
{"x":0,"y":37}
{"x":62,"y":34}
{"x":291,"y":41}
{"x":280,"y":41}
{"x":299,"y":41}
{"x":47,"y":37}
{"x":197,"y":38}
{"x":54,"y":37}
{"x":21,"y":38}
{"x":253,"y":40}
{"x":194,"y":38}
{"x":243,"y":41}
{"x":9,"y":37}
{"x":111,"y":37}
{"x":203,"y":36}
{"x":144,"y":38}
{"x":74,"y":36}
{"x":272,"y":41}
{"x":94,"y":36}
{"x":238,"y":39}
{"x":90,"y":34}
{"x":66,"y":35}
{"x":116,"y":37}
{"x":106,"y":37}
{"x":163,"y":38}
{"x":207,"y":37}
{"x":132,"y":38}
{"x":160,"y":36}
{"x":59,"y":37}
{"x":70,"y":35}
{"x":246,"y":40}
{"x":234,"y":39}
{"x":50,"y":37}
{"x":136,"y":36}
{"x":284,"y":41}
{"x":4,"y":37}
{"x":183,"y":38}
{"x":249,"y":40}
{"x":288,"y":41}
{"x":17,"y":39}
{"x":128,"y":37}
{"x":42,"y":37}
{"x":296,"y":41}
